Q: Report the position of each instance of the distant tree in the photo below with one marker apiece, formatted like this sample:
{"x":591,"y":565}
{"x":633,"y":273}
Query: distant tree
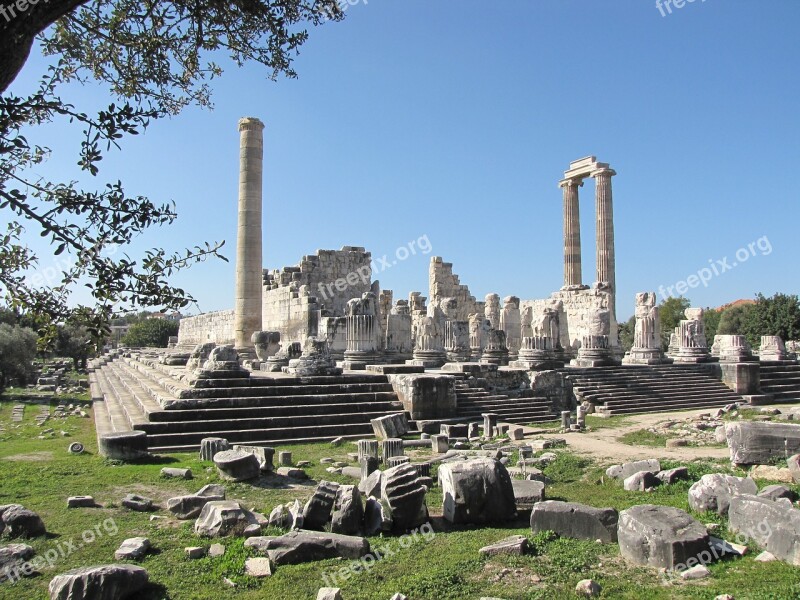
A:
{"x":75,"y":342}
{"x":152,"y":333}
{"x":711,"y":319}
{"x":671,"y":311}
{"x":778,"y":315}
{"x":732,"y":320}
{"x":626,"y":331}
{"x":17,"y":351}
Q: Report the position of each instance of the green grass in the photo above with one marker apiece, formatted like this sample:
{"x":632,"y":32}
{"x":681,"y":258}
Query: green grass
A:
{"x":444,"y":565}
{"x":643,"y":437}
{"x":593,"y":422}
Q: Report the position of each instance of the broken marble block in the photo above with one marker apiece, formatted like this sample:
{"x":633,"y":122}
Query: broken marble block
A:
{"x":298,"y":547}
{"x":757,"y":443}
{"x":223,"y":517}
{"x":233,"y":465}
{"x":714,"y":491}
{"x":404,"y":493}
{"x":573,"y":520}
{"x":104,"y":582}
{"x":317,"y":511}
{"x":477,"y":491}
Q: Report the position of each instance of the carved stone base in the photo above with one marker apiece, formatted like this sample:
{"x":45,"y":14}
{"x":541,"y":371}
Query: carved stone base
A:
{"x":692,"y":355}
{"x":646,"y":356}
{"x":274,"y":364}
{"x":495,"y":357}
{"x":358,"y":361}
{"x":544,"y":364}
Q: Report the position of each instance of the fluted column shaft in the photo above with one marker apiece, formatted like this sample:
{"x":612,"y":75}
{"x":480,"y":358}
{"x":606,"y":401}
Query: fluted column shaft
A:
{"x":605,"y":228}
{"x":247,"y":304}
{"x":572,"y":232}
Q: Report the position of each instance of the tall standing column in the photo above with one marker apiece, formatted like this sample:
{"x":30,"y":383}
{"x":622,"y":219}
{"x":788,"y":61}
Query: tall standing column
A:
{"x":572,"y":232}
{"x":247,"y":307}
{"x":605,"y":228}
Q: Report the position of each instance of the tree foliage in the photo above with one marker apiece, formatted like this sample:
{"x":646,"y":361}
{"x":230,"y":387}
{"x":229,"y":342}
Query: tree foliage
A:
{"x":75,"y":342}
{"x":711,"y":319}
{"x":155,"y":58}
{"x":150,"y":333}
{"x":626,"y":333}
{"x":778,"y":315}
{"x":17,"y":351}
{"x":732,"y":321}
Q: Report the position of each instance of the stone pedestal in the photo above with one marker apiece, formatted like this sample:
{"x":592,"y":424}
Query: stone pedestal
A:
{"x":391,"y":448}
{"x":276,"y":363}
{"x":367,"y":448}
{"x":489,"y":425}
{"x":734,"y":349}
{"x":496,"y":351}
{"x":479,"y":327}
{"x":399,"y":339}
{"x":646,"y":348}
{"x":595,"y":351}
{"x":510,"y":323}
{"x":691,"y":334}
{"x":537,"y":353}
{"x":772,"y":349}
{"x":315,"y":360}
{"x":362,"y":342}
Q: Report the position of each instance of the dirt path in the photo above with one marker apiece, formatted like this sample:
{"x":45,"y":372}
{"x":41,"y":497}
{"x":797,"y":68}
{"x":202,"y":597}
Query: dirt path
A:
{"x":603,"y":444}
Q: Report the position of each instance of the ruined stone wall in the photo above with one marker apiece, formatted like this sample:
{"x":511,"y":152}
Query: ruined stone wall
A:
{"x":294,"y":298}
{"x":443,"y":283}
{"x":577,"y":308}
{"x":214,"y":327}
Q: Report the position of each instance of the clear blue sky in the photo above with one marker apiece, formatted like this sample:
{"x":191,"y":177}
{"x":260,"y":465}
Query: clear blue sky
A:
{"x":455,"y":120}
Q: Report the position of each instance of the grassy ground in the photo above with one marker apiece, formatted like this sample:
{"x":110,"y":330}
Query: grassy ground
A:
{"x":441,"y":565}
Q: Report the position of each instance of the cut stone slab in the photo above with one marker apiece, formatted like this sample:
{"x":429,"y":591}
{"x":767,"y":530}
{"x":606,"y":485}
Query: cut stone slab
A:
{"x":17,"y":521}
{"x":641,"y":482}
{"x":189,"y":507}
{"x":527,"y":492}
{"x":371,"y":486}
{"x":329,"y":593}
{"x":223,"y":517}
{"x":765,"y":557}
{"x":756,"y":443}
{"x":195,"y":552}
{"x":588,"y":588}
{"x":298,"y":547}
{"x":390,"y":426}
{"x":210,"y":446}
{"x":573,"y":520}
{"x":696,"y":572}
{"x":377,"y":516}
{"x":233,"y":465}
{"x":515,"y":544}
{"x":132,"y":549}
{"x":176,"y":473}
{"x":771,"y":473}
{"x":137,"y":503}
{"x":714,"y":491}
{"x":793,"y":462}
{"x":660,"y":536}
{"x":625,"y":470}
{"x":216,"y":550}
{"x":264,"y":454}
{"x":258,"y":567}
{"x":259,"y":543}
{"x":775,"y":526}
{"x":293,"y":473}
{"x":105,"y":582}
{"x":477,"y":491}
{"x":81,"y":502}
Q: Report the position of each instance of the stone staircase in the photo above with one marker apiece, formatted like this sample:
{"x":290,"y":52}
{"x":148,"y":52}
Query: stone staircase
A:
{"x":474,"y":400}
{"x":642,"y":389}
{"x":781,"y":380}
{"x":132,"y":394}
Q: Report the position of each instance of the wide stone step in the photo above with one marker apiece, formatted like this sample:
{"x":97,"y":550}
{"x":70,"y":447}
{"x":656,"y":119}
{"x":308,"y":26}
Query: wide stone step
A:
{"x":147,"y":405}
{"x":168,"y":449}
{"x":288,"y":421}
{"x":256,"y":401}
{"x":122,"y":410}
{"x":291,"y":390}
{"x":645,"y":408}
{"x":276,"y":436}
{"x":724,"y":399}
{"x":605,"y":395}
{"x":666,"y":391}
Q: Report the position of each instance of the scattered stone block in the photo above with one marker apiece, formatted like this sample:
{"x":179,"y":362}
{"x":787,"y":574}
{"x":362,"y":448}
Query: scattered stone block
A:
{"x":176,"y":473}
{"x":671,"y":476}
{"x":124,"y":445}
{"x":237,"y":466}
{"x":223,"y":517}
{"x":696,"y":572}
{"x":258,"y":567}
{"x":348,"y":512}
{"x":285,"y":458}
{"x":390,"y":426}
{"x":105,"y":582}
{"x":405,"y":496}
{"x":625,"y":470}
{"x":12,"y":561}
{"x":641,"y":482}
{"x":527,"y":492}
{"x":293,"y":473}
{"x":377,"y":516}
{"x":588,"y":588}
{"x":17,"y":521}
{"x":776,"y":492}
{"x":317,"y":511}
{"x":211,"y":446}
{"x":765,"y":557}
{"x":714,"y":491}
{"x":216,"y":550}
{"x":81,"y":502}
{"x":775,"y":526}
{"x":132,"y":549}
{"x":328,"y":593}
{"x":573,"y":520}
{"x":771,"y":473}
{"x":195,"y":552}
{"x":371,"y":486}
{"x":660,"y":536}
{"x":755,"y":443}
{"x":477,"y":491}
{"x":515,"y":544}
{"x":298,"y":547}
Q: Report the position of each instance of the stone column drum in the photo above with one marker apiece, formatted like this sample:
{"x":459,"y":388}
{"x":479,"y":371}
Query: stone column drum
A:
{"x":249,"y":274}
{"x":605,"y":227}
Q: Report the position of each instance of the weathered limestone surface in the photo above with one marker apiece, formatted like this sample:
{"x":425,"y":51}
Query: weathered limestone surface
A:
{"x":477,"y":491}
{"x":426,"y":396}
{"x":646,"y":348}
{"x":660,"y":536}
{"x":443,"y":283}
{"x":298,"y":547}
{"x":773,"y":525}
{"x":123,"y":445}
{"x":104,"y":582}
{"x":216,"y":327}
{"x":579,"y":521}
{"x":755,"y":443}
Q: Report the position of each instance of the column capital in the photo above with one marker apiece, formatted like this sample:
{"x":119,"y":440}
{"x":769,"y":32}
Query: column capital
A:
{"x":603,"y":171}
{"x":250,"y":124}
{"x":571,"y":182}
